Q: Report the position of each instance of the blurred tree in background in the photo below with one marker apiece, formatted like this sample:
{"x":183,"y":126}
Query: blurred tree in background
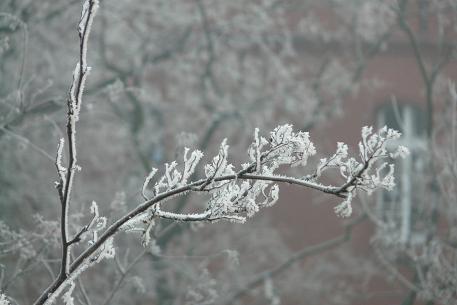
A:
{"x":174,"y":74}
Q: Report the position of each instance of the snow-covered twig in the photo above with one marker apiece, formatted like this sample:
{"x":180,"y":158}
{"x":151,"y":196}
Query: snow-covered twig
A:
{"x":233,"y":194}
{"x":66,"y":175}
{"x":65,"y":184}
{"x":237,"y":195}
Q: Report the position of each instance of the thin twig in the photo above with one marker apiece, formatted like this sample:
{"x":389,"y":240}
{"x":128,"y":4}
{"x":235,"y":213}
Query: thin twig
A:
{"x":74,"y":105}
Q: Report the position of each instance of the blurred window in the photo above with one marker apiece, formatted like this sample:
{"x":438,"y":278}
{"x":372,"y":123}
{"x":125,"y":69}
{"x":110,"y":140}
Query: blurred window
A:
{"x":400,"y":207}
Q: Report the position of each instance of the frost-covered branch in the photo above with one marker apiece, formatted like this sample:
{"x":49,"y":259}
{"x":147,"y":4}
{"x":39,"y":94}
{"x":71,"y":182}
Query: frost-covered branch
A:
{"x":238,"y":195}
{"x":233,"y":194}
{"x":66,"y":175}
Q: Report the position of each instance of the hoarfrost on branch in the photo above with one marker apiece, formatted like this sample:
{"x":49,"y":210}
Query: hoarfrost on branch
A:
{"x":233,"y":194}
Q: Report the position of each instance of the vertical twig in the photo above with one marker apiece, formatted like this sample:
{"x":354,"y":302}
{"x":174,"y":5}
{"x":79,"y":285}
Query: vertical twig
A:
{"x":65,"y":185}
{"x":66,"y":176}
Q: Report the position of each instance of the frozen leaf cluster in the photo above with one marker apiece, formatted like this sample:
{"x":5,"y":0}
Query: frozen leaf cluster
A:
{"x":369,"y":172}
{"x":288,"y":147}
{"x":239,"y":194}
{"x":173,"y":176}
{"x":220,"y":165}
{"x":233,"y":201}
{"x":344,"y":209}
{"x":240,"y":198}
{"x":373,"y":149}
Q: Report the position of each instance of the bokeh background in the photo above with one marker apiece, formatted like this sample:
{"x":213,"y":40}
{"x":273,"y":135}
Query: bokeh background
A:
{"x":169,"y":74}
